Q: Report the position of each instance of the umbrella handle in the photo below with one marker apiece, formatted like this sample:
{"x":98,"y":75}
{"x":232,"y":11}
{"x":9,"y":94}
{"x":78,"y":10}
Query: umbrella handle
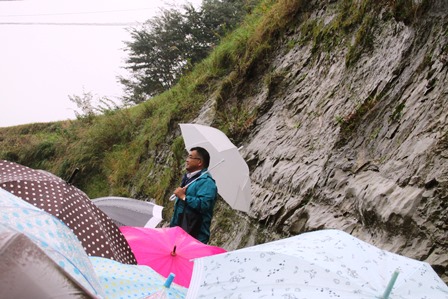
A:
{"x":173,"y":197}
{"x":390,"y":285}
{"x":169,"y":280}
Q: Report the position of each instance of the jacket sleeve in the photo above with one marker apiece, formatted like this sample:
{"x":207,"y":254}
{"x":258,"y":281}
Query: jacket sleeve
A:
{"x":201,"y":195}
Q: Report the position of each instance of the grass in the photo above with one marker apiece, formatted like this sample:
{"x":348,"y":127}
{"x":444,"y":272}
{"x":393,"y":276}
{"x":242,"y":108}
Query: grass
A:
{"x":130,"y":152}
{"x":350,"y":122}
{"x":137,"y":151}
{"x":119,"y":148}
{"x":115,"y":147}
{"x":363,"y":41}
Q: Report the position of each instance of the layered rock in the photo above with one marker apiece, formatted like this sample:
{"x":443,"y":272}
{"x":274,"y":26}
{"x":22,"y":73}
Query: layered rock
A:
{"x":361,"y":148}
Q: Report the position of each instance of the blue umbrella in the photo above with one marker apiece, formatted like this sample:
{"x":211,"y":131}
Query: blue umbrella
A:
{"x":121,"y":281}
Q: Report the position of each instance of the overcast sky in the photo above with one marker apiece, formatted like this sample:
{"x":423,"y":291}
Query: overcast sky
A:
{"x":44,"y":57}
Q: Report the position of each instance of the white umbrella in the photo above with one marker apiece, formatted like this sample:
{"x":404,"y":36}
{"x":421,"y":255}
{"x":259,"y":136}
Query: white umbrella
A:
{"x":321,"y":264}
{"x":232,"y":175}
{"x":126,"y":211}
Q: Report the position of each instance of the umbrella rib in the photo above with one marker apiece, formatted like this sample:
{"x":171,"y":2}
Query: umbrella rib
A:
{"x":74,"y":266}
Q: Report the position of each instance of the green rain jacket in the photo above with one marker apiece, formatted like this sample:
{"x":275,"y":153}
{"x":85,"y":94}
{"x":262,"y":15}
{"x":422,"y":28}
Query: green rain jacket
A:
{"x":201,"y":197}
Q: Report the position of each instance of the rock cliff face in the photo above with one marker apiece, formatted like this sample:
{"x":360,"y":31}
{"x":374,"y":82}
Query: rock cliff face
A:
{"x":360,"y":147}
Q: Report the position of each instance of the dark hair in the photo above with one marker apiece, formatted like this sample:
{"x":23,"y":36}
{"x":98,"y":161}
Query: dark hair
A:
{"x":203,"y":154}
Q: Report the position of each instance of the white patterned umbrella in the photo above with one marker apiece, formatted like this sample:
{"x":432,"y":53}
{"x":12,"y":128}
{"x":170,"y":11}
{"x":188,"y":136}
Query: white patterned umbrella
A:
{"x":321,"y":264}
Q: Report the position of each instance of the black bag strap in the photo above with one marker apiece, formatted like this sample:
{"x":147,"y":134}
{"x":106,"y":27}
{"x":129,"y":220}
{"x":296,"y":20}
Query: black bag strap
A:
{"x":185,"y":181}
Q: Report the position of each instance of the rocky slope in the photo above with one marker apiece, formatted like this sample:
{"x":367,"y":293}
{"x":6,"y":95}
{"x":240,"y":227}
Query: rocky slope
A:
{"x":358,"y":145}
{"x":343,"y":120}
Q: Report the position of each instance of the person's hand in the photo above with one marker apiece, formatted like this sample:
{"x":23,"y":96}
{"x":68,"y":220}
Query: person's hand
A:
{"x":180,"y":192}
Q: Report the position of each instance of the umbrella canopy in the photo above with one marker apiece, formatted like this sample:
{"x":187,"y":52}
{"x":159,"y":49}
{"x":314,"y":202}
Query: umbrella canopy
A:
{"x":129,"y":211}
{"x":167,"y":250}
{"x":321,"y":264}
{"x":40,"y":254}
{"x":121,"y":281}
{"x":28,"y":272}
{"x":96,"y":231}
{"x":231,"y":176}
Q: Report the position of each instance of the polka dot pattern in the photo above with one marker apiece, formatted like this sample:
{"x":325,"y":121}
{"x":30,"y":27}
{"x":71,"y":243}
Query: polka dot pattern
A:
{"x":52,"y":236}
{"x":120,"y":281}
{"x":95,"y":230}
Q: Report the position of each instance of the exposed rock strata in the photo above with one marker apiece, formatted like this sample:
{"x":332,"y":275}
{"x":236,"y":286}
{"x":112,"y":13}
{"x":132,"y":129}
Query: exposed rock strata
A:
{"x":361,"y":148}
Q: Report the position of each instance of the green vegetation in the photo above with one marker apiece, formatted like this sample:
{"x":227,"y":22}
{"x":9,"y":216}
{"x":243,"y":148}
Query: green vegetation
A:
{"x":328,"y":36}
{"x":397,"y":113}
{"x":351,"y":121}
{"x":356,"y":18}
{"x":128,"y":148}
{"x":408,"y":11}
{"x":375,"y":133}
{"x":167,"y":46}
{"x":138,"y":151}
{"x":363,"y":41}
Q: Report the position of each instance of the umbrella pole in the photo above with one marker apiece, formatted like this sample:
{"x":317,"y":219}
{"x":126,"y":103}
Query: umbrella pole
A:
{"x":390,"y":285}
{"x":173,"y":197}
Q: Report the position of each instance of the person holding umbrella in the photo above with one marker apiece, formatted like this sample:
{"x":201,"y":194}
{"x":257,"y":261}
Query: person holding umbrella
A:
{"x":196,"y":196}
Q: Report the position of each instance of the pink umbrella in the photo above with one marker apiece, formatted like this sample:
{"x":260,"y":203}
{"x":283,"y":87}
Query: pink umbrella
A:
{"x":167,"y":250}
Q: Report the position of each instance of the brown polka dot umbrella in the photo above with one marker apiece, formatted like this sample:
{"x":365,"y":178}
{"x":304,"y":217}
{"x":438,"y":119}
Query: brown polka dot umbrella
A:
{"x":94,"y":229}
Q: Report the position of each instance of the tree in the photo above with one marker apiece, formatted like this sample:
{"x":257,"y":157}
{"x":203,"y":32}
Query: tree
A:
{"x":167,"y":46}
{"x":91,"y":106}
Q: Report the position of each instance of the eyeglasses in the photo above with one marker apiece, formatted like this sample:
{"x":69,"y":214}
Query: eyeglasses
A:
{"x":193,"y":158}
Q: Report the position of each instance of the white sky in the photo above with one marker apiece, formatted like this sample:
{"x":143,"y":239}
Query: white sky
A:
{"x":44,"y":58}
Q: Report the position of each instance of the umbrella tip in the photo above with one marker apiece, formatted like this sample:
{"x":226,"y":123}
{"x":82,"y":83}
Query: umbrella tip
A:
{"x":173,"y":253}
{"x":72,"y":177}
{"x":169,"y":280}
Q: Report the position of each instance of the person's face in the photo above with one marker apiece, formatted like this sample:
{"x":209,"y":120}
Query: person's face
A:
{"x":194,"y":162}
